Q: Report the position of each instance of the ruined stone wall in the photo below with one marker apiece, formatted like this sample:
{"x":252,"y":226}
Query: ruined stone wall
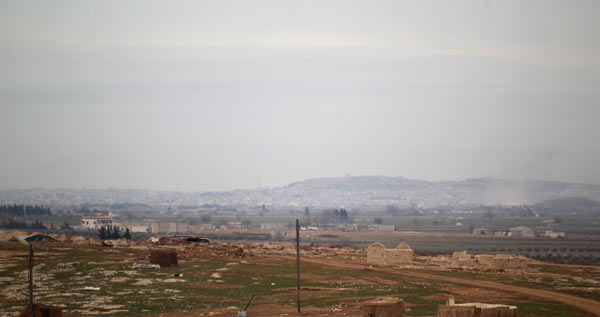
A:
{"x":397,"y":256}
{"x":377,"y":254}
{"x":468,"y":310}
{"x":489,"y":261}
{"x":455,"y":311}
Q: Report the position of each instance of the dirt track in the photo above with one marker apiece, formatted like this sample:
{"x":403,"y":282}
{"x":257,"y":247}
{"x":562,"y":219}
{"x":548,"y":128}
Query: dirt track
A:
{"x":588,"y":305}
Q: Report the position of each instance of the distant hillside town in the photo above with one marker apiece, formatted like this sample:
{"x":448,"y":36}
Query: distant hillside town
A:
{"x":377,"y":192}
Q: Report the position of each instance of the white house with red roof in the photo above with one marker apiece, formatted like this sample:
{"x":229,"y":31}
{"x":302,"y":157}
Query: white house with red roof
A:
{"x":96,"y":222}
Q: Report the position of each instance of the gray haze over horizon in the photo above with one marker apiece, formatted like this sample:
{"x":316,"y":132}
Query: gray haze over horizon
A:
{"x":198,"y":95}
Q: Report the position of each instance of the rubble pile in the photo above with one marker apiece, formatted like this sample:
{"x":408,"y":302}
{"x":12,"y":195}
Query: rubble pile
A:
{"x":488,"y":262}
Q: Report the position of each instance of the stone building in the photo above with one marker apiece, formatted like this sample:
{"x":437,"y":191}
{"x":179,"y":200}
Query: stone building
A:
{"x":381,"y":228}
{"x":377,"y":254}
{"x":522,"y":231}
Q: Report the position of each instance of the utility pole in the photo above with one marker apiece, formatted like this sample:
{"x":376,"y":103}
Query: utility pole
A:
{"x":31,"y":307}
{"x":298,"y":262}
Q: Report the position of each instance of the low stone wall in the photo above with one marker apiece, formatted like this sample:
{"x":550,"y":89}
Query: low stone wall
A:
{"x":474,"y":311}
{"x":451,"y":309}
{"x":384,"y":307}
{"x":489,"y":261}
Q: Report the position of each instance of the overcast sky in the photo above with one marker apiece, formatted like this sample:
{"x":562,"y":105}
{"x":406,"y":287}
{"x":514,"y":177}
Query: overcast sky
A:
{"x":198,"y":95}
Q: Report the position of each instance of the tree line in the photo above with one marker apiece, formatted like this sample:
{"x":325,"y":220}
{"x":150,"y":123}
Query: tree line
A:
{"x":14,"y":224}
{"x":113,"y":233}
{"x":22,"y":210}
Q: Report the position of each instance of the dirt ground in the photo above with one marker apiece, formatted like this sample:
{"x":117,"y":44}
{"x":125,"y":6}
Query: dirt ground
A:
{"x":217,"y":279}
{"x":588,"y":305}
{"x":270,"y":310}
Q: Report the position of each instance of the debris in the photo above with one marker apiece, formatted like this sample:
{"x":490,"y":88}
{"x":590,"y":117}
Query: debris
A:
{"x":145,"y":266}
{"x":91,"y":288}
{"x":180,"y":239}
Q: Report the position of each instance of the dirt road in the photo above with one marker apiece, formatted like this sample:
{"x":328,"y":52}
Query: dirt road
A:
{"x":588,"y":305}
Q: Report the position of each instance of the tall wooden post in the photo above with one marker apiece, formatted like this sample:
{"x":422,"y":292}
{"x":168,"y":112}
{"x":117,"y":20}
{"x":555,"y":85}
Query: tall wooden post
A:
{"x":31,"y":307}
{"x":298,"y":262}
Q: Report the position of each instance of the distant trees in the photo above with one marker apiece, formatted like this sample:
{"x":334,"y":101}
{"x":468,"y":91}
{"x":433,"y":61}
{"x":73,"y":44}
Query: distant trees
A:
{"x":192,"y":221}
{"x":102,"y":233}
{"x":489,"y":215}
{"x":306,"y":211}
{"x":115,"y":233}
{"x":342,"y":214}
{"x":378,"y":221}
{"x":37,"y":225}
{"x":246,"y":223}
{"x":24,"y":210}
{"x":205,"y":219}
{"x":332,"y":216}
{"x":15,"y":224}
{"x":110,"y":232}
{"x":130,"y":215}
{"x":127,"y":234}
{"x":66,"y":227}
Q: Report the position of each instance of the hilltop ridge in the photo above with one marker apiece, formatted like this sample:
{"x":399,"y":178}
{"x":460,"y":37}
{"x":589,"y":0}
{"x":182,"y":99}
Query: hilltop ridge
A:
{"x":351,"y":192}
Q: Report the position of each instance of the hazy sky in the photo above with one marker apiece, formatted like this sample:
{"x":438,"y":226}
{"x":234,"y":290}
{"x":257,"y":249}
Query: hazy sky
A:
{"x":199,"y":95}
